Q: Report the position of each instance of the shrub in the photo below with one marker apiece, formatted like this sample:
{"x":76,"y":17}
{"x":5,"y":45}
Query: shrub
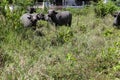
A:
{"x":73,"y":11}
{"x":5,"y":58}
{"x":83,"y":28}
{"x":117,"y":2}
{"x":102,"y":9}
{"x":79,"y":11}
{"x":63,"y":35}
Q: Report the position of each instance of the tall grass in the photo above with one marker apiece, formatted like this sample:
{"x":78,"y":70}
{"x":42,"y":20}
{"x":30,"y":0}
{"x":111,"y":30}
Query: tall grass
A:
{"x":88,"y":50}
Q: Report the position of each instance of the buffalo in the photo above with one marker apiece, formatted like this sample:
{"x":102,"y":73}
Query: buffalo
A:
{"x":45,"y":17}
{"x":117,"y":20}
{"x":31,"y":9}
{"x":29,"y":20}
{"x":60,"y":18}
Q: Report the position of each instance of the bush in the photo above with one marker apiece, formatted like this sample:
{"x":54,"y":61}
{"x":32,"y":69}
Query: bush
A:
{"x":102,"y":9}
{"x":73,"y":10}
{"x":63,"y":35}
{"x":117,"y":3}
{"x":5,"y":58}
{"x":79,"y":11}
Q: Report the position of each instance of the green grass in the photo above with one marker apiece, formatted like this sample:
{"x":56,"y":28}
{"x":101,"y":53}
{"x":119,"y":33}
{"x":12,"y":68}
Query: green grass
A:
{"x":89,"y":50}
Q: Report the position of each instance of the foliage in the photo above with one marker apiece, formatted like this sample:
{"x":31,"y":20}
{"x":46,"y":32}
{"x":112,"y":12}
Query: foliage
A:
{"x":117,"y":2}
{"x":79,"y":11}
{"x":64,"y":35}
{"x":103,"y":9}
{"x":88,"y":50}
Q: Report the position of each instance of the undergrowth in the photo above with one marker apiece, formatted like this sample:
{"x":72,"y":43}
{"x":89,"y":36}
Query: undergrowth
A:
{"x":88,"y":50}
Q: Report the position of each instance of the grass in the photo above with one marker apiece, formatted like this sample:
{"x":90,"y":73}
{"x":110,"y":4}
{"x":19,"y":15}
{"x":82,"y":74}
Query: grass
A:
{"x":88,"y":50}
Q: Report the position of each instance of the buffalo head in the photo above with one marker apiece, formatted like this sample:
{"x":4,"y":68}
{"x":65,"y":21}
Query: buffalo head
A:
{"x":51,"y":13}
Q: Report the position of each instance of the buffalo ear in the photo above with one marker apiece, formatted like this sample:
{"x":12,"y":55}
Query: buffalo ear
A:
{"x":54,"y":12}
{"x":49,"y":15}
{"x":29,"y":17}
{"x":40,"y":16}
{"x":115,"y":15}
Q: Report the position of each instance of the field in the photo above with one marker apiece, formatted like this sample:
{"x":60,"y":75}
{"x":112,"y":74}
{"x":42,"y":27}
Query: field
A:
{"x":88,"y":50}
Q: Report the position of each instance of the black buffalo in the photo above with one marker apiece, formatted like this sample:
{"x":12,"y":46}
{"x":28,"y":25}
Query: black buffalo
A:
{"x":45,"y":17}
{"x":31,"y":9}
{"x":117,"y":20}
{"x":29,"y":20}
{"x":60,"y":18}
